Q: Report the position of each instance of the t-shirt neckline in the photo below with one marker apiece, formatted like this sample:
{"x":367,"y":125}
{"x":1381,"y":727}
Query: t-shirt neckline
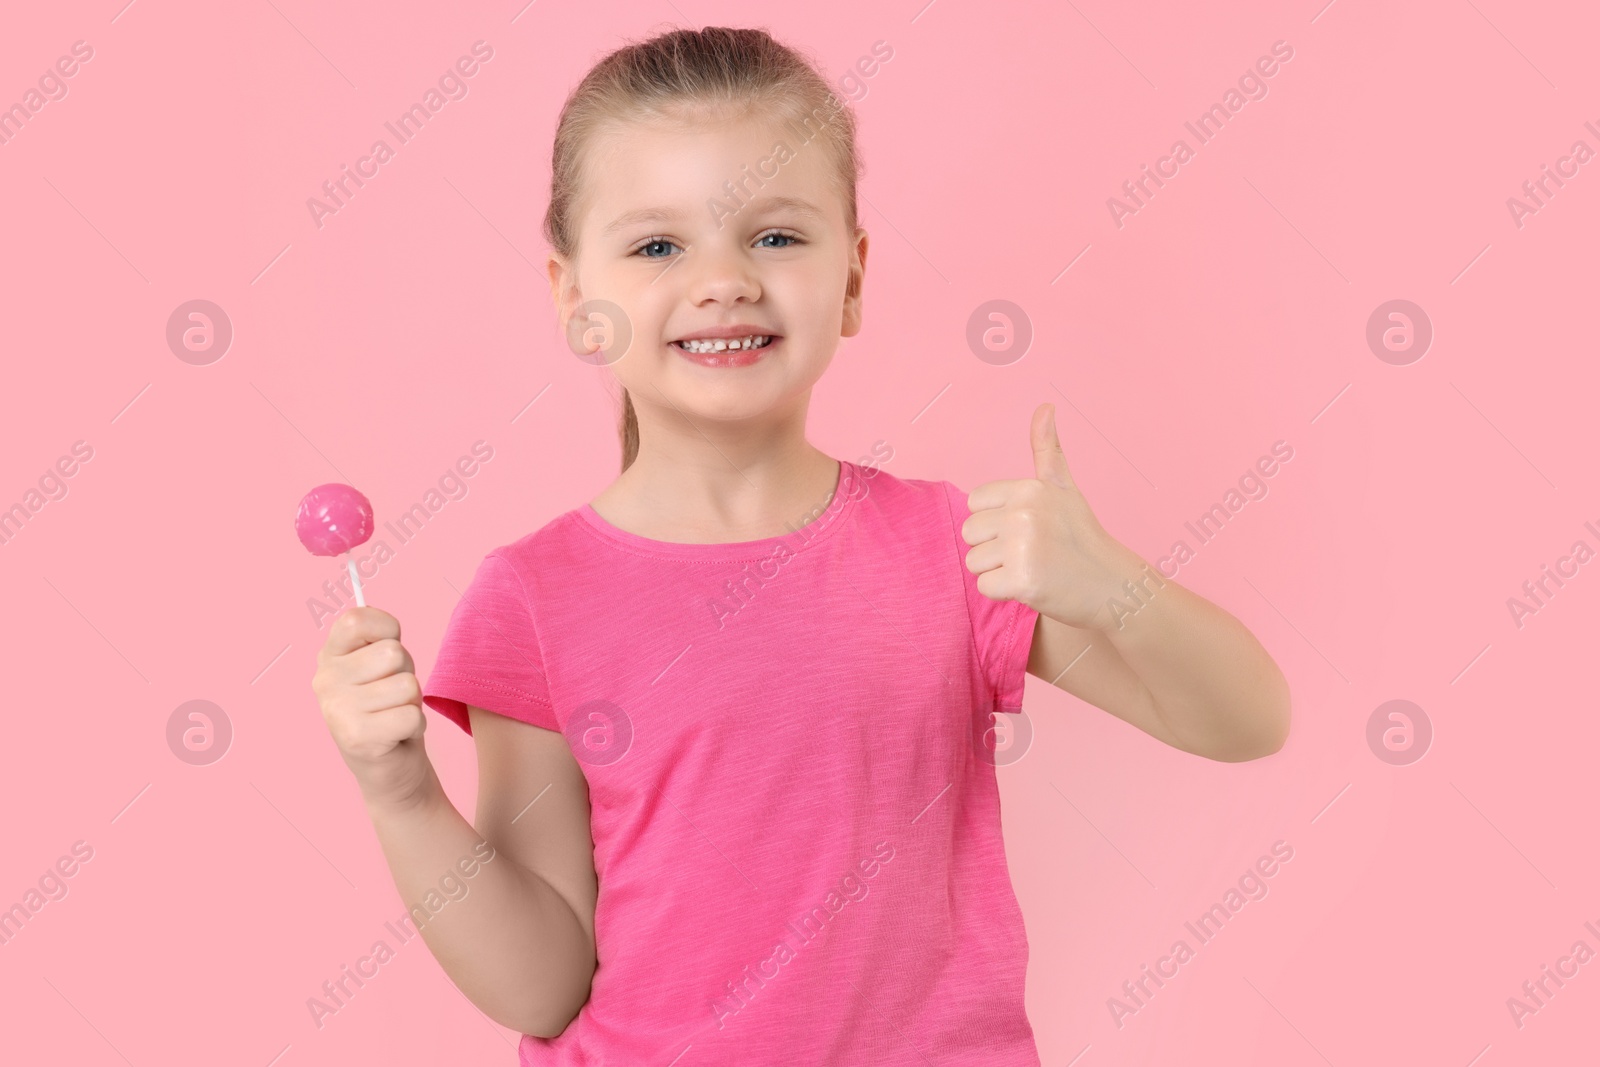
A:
{"x":830,"y":519}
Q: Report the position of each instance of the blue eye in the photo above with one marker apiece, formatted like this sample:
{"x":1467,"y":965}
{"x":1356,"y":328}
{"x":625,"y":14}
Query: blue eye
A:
{"x":791,"y":238}
{"x":652,"y":243}
{"x":643,"y":250}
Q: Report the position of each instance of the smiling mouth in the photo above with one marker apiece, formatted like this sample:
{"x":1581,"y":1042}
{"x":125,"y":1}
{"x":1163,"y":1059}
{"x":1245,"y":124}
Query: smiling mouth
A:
{"x":732,"y":344}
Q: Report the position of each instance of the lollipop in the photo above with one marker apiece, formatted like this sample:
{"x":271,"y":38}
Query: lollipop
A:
{"x":335,"y":518}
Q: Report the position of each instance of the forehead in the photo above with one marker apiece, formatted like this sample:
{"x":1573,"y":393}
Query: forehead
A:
{"x":683,"y":166}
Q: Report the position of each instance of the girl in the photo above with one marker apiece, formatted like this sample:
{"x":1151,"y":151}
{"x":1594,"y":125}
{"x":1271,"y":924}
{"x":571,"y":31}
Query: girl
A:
{"x":737,"y":800}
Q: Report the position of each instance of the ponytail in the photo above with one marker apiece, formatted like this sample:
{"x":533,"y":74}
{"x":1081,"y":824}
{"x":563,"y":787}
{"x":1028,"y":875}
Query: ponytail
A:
{"x":629,"y":431}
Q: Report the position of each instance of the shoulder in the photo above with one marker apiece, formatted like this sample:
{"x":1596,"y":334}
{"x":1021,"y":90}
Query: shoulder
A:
{"x":560,"y":540}
{"x":906,"y":504}
{"x":904,"y":491}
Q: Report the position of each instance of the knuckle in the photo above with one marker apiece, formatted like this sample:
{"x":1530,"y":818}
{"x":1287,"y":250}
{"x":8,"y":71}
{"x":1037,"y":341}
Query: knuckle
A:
{"x":1023,"y":577}
{"x":335,"y":711}
{"x":415,"y":721}
{"x":365,"y":738}
{"x":339,"y":729}
{"x":388,"y":654}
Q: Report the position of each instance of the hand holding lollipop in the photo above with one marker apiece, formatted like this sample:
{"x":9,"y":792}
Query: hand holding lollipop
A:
{"x":335,"y":518}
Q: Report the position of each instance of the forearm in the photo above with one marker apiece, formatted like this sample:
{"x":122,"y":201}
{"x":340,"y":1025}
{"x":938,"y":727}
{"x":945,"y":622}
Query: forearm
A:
{"x":512,"y":944}
{"x":1216,"y":687}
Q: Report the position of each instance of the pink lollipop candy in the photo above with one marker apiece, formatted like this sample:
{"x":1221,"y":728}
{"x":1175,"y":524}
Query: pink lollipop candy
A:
{"x":335,"y":518}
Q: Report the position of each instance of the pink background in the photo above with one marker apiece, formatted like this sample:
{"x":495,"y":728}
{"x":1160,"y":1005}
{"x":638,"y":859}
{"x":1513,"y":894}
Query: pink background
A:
{"x":1227,"y":314}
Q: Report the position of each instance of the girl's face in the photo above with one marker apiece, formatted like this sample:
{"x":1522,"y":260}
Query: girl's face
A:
{"x":663,"y":238}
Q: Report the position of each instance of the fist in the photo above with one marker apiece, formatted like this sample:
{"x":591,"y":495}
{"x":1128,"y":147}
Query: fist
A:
{"x":1036,"y":540}
{"x":371,"y":701}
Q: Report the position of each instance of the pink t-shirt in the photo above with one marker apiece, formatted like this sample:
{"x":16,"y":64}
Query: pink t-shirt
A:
{"x":789,"y":757}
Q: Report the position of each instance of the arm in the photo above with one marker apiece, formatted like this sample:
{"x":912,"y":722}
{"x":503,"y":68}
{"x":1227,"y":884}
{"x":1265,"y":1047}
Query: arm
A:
{"x":1172,"y":664}
{"x":520,"y":944}
{"x":1111,"y":629}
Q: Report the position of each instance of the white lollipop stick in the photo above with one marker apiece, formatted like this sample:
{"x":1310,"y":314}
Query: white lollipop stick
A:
{"x":355,"y":580}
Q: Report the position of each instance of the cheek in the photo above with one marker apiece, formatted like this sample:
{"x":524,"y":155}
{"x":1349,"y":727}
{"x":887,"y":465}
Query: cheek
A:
{"x":646,"y":307}
{"x":811,"y":297}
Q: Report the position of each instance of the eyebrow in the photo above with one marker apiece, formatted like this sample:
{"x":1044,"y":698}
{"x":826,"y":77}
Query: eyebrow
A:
{"x":766,"y":203}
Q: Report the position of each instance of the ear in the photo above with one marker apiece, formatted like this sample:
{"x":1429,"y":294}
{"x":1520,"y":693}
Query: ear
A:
{"x":851,"y":322}
{"x":564,"y":291}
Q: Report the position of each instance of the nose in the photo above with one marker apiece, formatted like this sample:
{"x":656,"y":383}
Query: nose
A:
{"x":720,"y":272}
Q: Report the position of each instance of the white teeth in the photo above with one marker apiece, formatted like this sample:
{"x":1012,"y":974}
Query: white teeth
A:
{"x":721,"y":345}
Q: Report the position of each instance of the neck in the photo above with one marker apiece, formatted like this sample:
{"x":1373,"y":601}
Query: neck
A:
{"x":697,"y":478}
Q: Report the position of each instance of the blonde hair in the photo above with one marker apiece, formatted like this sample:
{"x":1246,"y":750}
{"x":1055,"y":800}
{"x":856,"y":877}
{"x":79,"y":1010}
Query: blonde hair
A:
{"x":683,"y":74}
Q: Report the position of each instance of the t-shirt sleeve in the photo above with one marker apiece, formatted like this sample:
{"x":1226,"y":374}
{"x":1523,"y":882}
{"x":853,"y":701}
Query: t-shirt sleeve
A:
{"x":489,"y":654}
{"x":1002,"y":630}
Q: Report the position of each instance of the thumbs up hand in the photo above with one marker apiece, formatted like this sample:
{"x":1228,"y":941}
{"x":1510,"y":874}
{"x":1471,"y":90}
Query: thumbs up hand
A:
{"x":1035,"y":540}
